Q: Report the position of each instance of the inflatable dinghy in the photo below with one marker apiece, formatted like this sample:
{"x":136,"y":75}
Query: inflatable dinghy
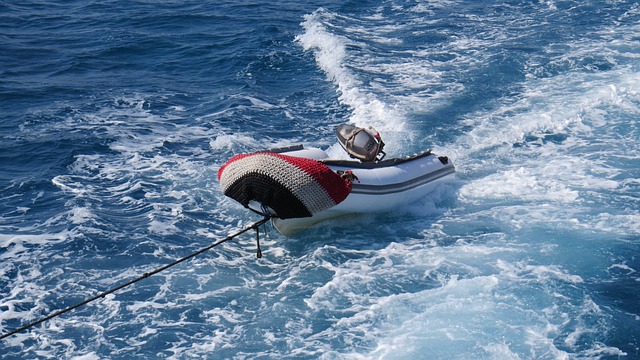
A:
{"x":299,"y":187}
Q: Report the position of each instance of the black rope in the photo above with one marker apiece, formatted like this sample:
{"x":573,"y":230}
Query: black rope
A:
{"x":259,"y":253}
{"x":255,"y":225}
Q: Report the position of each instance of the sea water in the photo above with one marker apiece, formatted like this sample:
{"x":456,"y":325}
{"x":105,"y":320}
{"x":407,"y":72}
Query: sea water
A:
{"x":115,"y":116}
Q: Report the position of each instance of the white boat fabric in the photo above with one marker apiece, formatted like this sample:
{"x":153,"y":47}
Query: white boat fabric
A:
{"x":377,"y":186}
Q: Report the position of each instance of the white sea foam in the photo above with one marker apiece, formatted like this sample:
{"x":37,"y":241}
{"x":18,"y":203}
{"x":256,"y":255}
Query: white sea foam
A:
{"x":332,"y":57}
{"x":548,"y":149}
{"x":226,"y":141}
{"x":80,"y":215}
{"x":452,"y":316}
{"x":6,"y":240}
{"x":90,"y":356}
{"x":519,"y":185}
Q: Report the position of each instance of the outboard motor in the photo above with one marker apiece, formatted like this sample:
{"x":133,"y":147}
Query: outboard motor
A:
{"x":360,"y":143}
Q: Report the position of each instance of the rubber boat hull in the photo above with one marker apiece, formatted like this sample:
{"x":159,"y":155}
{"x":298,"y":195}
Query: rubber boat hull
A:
{"x":380,"y":187}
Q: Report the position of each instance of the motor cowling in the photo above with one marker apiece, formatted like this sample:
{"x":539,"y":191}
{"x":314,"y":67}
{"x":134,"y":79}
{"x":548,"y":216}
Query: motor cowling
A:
{"x":363,"y":144}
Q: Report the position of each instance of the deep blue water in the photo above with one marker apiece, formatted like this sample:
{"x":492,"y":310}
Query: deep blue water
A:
{"x":116,"y":115}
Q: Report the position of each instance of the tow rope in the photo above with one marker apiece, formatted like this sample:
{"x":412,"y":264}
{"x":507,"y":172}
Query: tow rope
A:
{"x":255,"y":225}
